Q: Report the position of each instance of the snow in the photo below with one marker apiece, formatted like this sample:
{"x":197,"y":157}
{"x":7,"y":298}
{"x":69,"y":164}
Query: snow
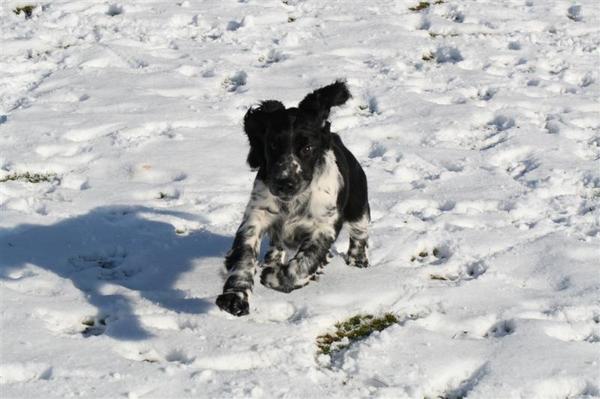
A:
{"x":477,"y":123}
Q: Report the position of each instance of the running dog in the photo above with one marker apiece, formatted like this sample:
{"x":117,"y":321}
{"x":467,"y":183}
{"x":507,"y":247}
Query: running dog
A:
{"x":307,"y":186}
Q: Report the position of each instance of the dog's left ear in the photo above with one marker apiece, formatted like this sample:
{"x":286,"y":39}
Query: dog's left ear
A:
{"x":256,"y":122}
{"x":320,"y":101}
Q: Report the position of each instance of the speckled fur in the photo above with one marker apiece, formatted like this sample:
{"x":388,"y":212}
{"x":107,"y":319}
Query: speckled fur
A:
{"x":324,"y":188}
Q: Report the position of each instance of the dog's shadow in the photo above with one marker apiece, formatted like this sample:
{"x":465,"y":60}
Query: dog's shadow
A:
{"x":120,"y":247}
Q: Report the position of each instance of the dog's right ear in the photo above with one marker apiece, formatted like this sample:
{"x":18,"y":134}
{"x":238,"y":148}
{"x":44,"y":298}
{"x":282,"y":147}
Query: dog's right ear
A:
{"x":256,"y":122}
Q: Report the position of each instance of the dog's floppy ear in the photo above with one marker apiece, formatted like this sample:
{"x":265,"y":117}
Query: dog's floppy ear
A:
{"x":256,"y":121}
{"x":320,"y":101}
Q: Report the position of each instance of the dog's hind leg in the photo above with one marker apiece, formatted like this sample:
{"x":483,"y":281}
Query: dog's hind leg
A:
{"x":357,"y":251}
{"x":321,"y":269}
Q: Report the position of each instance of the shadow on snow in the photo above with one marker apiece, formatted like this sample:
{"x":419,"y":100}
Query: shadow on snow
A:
{"x":115,"y":245}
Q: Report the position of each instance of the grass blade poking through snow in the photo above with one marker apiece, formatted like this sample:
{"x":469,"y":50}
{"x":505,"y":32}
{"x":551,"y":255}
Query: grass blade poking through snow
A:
{"x":353,"y":329}
{"x":29,"y":177}
{"x":27,"y":10}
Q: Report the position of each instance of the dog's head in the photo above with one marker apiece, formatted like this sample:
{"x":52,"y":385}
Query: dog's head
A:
{"x":288,"y":144}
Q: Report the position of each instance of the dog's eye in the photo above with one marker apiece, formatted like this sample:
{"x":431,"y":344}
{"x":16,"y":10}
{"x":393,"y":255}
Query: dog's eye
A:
{"x":273,"y":145}
{"x":306,"y":150}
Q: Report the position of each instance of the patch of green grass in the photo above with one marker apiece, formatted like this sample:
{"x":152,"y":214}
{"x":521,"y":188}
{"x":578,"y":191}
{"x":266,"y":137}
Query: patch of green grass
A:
{"x":424,"y":254}
{"x":29,"y":177}
{"x":27,"y":10}
{"x":424,"y":5}
{"x":436,"y":35}
{"x":353,"y":329}
{"x":421,"y":6}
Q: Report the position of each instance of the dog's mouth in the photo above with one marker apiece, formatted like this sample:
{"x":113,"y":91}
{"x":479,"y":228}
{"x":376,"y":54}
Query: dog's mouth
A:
{"x":284,"y":195}
{"x":287,"y":192}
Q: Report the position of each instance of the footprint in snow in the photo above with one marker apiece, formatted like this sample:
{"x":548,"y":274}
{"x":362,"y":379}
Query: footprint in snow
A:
{"x":475,"y":270}
{"x":454,"y":14}
{"x":370,"y":106}
{"x":514,"y":45}
{"x":433,"y":255}
{"x":114,"y":10}
{"x":110,"y":261}
{"x":466,"y":272}
{"x":497,"y":130}
{"x":582,"y":325}
{"x":455,"y":166}
{"x":465,"y":386}
{"x":443,"y":55}
{"x":139,"y":353}
{"x":179,"y":356}
{"x":274,"y":56}
{"x":501,"y":329}
{"x":107,"y":266}
{"x":520,"y":169}
{"x":377,"y":150}
{"x":486,"y":93}
{"x":517,"y":163}
{"x":147,"y":354}
{"x":235,"y":82}
{"x":574,"y":13}
{"x":233,"y":25}
{"x":501,"y":123}
{"x":553,"y":124}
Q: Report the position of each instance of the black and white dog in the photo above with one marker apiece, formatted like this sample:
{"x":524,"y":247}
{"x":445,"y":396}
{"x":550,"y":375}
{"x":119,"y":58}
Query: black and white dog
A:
{"x":308,"y":184}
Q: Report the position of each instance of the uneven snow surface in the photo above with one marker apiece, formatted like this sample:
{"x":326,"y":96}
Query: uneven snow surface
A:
{"x":477,"y":123}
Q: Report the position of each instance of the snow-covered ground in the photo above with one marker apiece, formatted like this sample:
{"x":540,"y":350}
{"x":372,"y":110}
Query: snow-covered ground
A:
{"x":477,"y":123}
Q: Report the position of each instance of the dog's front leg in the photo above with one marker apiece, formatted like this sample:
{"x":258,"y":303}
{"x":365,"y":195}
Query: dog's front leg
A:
{"x":309,"y":259}
{"x":241,"y":260}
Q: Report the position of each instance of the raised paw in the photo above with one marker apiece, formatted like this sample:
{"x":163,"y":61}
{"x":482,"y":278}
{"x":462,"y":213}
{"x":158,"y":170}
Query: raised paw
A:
{"x":357,"y":253}
{"x":280,"y":280}
{"x":235,"y":303}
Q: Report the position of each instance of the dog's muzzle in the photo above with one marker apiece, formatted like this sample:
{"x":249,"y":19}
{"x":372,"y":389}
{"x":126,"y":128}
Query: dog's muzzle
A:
{"x":286,"y":181}
{"x":285,"y":188}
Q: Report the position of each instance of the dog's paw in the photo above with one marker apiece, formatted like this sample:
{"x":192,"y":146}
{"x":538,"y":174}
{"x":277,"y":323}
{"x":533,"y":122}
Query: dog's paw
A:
{"x":235,"y":303}
{"x":357,"y":261}
{"x":279,"y":280}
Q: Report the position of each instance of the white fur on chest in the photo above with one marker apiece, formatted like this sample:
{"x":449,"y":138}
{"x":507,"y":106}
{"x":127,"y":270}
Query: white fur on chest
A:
{"x":315,"y":210}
